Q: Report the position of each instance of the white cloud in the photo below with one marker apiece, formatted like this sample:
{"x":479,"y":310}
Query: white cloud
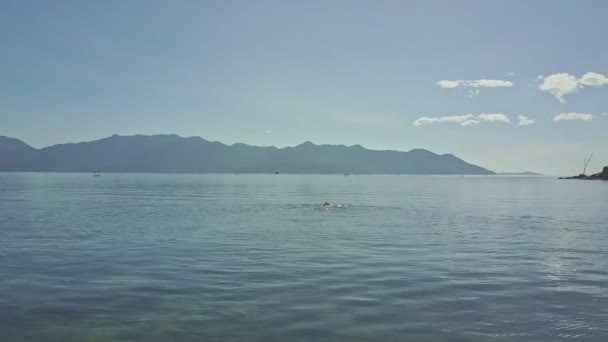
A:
{"x":466,"y":120}
{"x":489,"y":83}
{"x":510,"y":74}
{"x":524,"y":120}
{"x":268,"y":131}
{"x":425,"y":120}
{"x":474,"y":84}
{"x":593,"y":79}
{"x":562,"y":84}
{"x":559,"y":85}
{"x":483,"y":83}
{"x":469,"y":123}
{"x":605,"y":114}
{"x":494,"y":118}
{"x":449,"y":84}
{"x":573,"y":117}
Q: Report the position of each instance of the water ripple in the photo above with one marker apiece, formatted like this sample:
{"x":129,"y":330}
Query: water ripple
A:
{"x":251,"y":258}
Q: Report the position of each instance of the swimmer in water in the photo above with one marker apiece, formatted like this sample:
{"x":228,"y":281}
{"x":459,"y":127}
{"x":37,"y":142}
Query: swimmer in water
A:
{"x":328,"y":206}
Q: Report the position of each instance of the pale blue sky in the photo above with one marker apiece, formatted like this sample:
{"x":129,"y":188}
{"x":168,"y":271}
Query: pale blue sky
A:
{"x":282,"y":72}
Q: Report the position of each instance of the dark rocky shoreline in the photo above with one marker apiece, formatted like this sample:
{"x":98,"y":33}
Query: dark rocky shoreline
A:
{"x":598,"y":176}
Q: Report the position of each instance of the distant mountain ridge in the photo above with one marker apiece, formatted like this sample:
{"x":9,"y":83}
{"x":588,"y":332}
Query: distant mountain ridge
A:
{"x":172,"y":153}
{"x":525,"y":173}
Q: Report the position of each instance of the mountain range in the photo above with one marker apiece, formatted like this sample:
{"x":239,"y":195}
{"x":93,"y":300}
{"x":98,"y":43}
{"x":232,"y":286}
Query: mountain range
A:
{"x":525,"y":173}
{"x":172,"y":153}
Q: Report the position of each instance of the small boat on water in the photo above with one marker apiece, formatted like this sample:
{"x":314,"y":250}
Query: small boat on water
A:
{"x":96,"y":174}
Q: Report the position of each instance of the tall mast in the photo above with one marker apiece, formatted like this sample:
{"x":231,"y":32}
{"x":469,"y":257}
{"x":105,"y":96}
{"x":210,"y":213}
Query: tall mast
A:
{"x":587,"y":163}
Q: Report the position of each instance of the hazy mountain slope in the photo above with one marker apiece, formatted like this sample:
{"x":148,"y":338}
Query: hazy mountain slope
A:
{"x":15,"y":154}
{"x":172,"y":153}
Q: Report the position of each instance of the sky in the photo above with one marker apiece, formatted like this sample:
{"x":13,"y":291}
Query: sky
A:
{"x":509,"y":85}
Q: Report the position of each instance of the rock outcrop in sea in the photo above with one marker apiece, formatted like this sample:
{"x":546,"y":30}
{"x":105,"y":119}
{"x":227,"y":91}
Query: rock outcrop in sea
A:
{"x":598,"y":176}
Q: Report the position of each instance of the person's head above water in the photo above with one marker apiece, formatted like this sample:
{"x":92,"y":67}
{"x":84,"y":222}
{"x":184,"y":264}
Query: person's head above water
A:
{"x":326,"y":203}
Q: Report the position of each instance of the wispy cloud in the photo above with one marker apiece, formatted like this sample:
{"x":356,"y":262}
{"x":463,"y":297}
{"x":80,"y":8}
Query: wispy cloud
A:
{"x":510,"y":74}
{"x":449,"y":84}
{"x":489,"y":84}
{"x":573,"y":117}
{"x":605,"y":114}
{"x":471,"y":122}
{"x":494,"y":118}
{"x":472,"y":93}
{"x":267,"y":131}
{"x":483,"y":83}
{"x":474,"y":85}
{"x":524,"y":120}
{"x":562,"y":84}
{"x":460,"y":119}
{"x":466,"y":120}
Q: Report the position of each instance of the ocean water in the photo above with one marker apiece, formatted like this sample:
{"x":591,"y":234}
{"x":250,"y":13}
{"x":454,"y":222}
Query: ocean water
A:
{"x":172,"y":257}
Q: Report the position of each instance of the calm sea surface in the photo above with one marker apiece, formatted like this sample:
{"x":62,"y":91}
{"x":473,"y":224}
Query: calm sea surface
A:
{"x":131,"y":257}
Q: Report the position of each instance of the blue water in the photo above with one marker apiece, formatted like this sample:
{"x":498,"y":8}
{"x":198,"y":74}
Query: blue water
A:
{"x":130,"y":257}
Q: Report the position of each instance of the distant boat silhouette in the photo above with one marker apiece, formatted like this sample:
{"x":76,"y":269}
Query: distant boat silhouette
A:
{"x":276,"y":172}
{"x":96,"y":173}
